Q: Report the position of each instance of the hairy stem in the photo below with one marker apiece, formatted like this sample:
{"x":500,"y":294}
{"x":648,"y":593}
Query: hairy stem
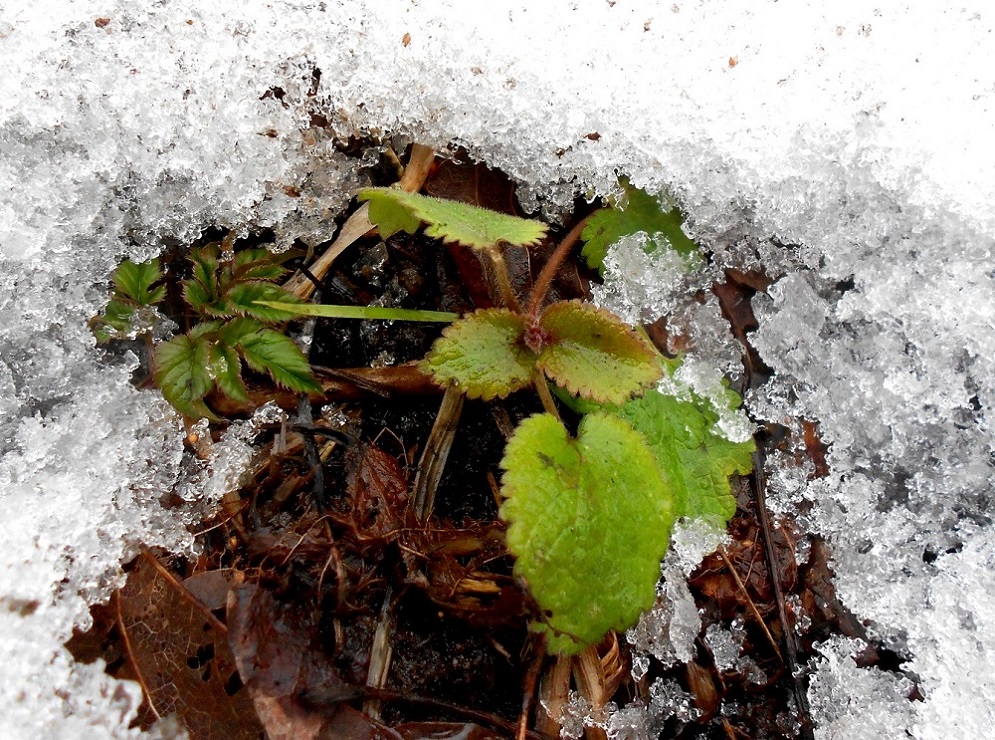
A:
{"x":545,"y":278}
{"x":503,"y":281}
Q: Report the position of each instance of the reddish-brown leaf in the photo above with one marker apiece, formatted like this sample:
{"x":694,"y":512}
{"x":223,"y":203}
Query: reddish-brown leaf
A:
{"x":180,"y":653}
{"x":294,"y":686}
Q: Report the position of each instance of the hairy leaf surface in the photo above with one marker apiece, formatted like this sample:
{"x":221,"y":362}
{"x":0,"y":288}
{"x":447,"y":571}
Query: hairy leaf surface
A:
{"x":269,"y":351}
{"x":134,"y":281}
{"x":590,"y":520}
{"x":639,"y":211}
{"x":394,"y":210}
{"x":182,"y":374}
{"x":692,"y":456}
{"x":591,"y":353}
{"x":483,"y":354}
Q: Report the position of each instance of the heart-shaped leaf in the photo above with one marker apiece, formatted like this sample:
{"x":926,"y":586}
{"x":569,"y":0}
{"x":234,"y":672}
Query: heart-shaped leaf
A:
{"x":589,"y":521}
{"x":591,"y":353}
{"x":483,"y":354}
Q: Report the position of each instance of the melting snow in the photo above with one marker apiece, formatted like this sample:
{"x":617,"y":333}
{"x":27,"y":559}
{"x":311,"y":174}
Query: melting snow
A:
{"x":839,"y":145}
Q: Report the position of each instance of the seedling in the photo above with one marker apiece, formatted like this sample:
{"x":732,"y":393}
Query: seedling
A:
{"x":589,"y":516}
{"x":223,"y":291}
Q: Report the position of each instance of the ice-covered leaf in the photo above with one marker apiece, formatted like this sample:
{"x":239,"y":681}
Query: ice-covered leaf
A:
{"x":691,"y":454}
{"x":134,"y":281}
{"x":639,"y":211}
{"x":483,"y":354}
{"x":589,"y":520}
{"x":114,"y":321}
{"x":269,"y":351}
{"x":182,"y":374}
{"x":591,"y":353}
{"x":226,"y":369}
{"x":394,"y":210}
{"x":244,"y":299}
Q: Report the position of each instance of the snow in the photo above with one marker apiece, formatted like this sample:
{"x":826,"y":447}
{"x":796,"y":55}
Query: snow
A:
{"x":839,"y":145}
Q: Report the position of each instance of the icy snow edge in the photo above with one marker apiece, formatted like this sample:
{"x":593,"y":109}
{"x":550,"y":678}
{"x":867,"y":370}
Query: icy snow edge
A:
{"x":795,"y":136}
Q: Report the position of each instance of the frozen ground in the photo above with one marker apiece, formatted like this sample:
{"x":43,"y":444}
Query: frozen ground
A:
{"x":844,"y":146}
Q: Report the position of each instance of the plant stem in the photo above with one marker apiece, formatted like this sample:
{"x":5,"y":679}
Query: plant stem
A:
{"x":542,"y":388}
{"x":361,"y":312}
{"x":545,"y":278}
{"x":503,"y":281}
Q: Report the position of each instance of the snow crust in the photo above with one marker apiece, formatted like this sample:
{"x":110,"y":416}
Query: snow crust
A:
{"x":841,"y":146}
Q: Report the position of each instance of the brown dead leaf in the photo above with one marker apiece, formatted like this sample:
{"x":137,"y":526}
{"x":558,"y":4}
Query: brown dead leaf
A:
{"x":180,"y":654}
{"x":295,"y":689}
{"x":211,"y":587}
{"x":376,"y":492}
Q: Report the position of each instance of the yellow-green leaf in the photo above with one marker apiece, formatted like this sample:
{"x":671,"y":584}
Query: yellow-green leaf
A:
{"x":589,"y":521}
{"x":394,"y":210}
{"x":692,"y":455}
{"x":483,"y":355}
{"x":638,"y":211}
{"x":591,"y":353}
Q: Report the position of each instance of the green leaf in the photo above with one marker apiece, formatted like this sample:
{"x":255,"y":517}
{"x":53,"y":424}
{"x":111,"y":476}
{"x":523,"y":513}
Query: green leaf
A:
{"x":181,"y":372}
{"x":226,"y":369}
{"x":394,"y":210}
{"x":269,"y":351}
{"x":252,"y":299}
{"x":483,"y":355}
{"x":196,"y":296}
{"x":691,"y":454}
{"x":361,"y":312}
{"x":591,"y":353}
{"x":134,"y":282}
{"x":589,"y":521}
{"x":260,"y":264}
{"x":639,"y":211}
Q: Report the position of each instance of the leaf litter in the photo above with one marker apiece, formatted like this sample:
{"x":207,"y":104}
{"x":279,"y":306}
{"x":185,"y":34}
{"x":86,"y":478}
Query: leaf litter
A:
{"x":306,"y":575}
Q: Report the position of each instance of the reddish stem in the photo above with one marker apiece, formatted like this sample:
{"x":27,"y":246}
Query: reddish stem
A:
{"x":542,"y":283}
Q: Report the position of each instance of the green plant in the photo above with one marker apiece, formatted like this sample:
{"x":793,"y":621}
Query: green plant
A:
{"x":589,"y":515}
{"x":132,"y":296}
{"x":224,"y":290}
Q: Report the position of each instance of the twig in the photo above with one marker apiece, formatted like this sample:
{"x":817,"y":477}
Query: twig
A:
{"x":531,"y":678}
{"x":126,"y":639}
{"x":359,"y":224}
{"x":433,"y":459}
{"x":381,"y":653}
{"x":787,"y":631}
{"x":749,"y":601}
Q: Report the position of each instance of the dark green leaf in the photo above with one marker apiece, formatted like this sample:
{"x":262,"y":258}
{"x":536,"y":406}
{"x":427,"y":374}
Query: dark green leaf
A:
{"x":226,"y":369}
{"x":134,"y":282}
{"x":243,"y":296}
{"x":269,"y":351}
{"x":181,"y":372}
{"x":589,"y":521}
{"x":260,"y":264}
